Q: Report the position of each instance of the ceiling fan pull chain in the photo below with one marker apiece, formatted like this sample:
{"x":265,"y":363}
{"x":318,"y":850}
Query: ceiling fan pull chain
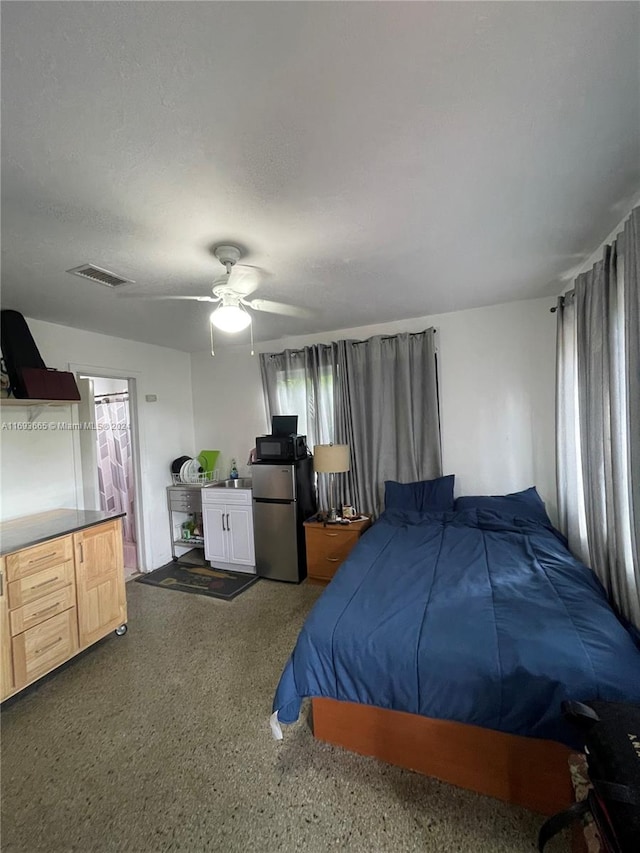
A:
{"x":211,"y":330}
{"x":251,"y":332}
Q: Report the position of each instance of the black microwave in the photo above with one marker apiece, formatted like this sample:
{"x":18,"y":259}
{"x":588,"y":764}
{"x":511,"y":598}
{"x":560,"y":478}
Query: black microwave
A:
{"x":281,"y":448}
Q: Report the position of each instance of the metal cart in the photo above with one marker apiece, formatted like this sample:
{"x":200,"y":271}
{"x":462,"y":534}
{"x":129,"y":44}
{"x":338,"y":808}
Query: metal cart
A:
{"x":185,"y":498}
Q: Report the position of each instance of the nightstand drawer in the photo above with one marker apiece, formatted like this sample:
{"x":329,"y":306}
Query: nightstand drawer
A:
{"x":332,"y":546}
{"x":327,"y":548}
{"x":324,"y":568}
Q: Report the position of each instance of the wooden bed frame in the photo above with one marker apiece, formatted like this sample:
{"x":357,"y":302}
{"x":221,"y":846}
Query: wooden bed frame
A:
{"x":521,"y":770}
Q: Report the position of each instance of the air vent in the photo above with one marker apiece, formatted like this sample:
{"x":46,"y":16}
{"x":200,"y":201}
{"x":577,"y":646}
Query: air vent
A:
{"x":101,"y":276}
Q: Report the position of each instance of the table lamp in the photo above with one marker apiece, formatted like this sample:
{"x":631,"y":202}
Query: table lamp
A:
{"x":331,"y":459}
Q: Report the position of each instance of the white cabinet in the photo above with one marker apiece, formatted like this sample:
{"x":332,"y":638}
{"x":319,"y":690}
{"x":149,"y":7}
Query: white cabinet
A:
{"x":228,"y":529}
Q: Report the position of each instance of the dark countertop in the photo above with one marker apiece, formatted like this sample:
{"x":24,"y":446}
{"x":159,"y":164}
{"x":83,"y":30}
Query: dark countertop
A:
{"x":30,"y":530}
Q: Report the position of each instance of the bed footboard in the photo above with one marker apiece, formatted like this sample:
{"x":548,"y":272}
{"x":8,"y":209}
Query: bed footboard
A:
{"x":525,"y":771}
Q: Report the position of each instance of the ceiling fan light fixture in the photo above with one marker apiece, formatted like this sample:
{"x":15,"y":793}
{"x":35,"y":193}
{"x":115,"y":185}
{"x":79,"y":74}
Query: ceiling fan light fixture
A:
{"x":230,"y":318}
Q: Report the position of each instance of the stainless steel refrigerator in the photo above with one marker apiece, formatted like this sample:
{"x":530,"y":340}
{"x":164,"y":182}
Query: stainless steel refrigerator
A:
{"x":284,"y":496}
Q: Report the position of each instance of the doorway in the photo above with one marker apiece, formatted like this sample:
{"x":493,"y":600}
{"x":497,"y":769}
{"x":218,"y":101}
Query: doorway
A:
{"x":114,"y":484}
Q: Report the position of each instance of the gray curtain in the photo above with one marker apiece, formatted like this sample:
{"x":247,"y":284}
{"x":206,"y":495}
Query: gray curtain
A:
{"x":598,"y":419}
{"x":571,"y":506}
{"x":302,"y":382}
{"x":378,"y":396}
{"x":629,"y":244}
{"x":390,"y":413}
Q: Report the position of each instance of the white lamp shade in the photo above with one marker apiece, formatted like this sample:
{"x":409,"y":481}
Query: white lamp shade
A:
{"x":331,"y":458}
{"x":230,"y":318}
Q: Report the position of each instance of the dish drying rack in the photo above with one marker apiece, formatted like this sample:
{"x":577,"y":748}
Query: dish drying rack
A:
{"x":204,"y":478}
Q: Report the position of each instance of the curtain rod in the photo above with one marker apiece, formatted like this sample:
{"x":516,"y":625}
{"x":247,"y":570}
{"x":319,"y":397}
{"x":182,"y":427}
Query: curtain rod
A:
{"x":568,"y":295}
{"x":384,"y":338}
{"x":390,"y":337}
{"x":605,"y":249}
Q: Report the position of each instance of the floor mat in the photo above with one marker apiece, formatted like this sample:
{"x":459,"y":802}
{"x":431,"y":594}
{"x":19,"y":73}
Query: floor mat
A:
{"x":200,"y":580}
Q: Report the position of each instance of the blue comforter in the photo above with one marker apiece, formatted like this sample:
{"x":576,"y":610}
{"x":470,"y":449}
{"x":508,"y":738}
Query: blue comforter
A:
{"x":472,"y":616}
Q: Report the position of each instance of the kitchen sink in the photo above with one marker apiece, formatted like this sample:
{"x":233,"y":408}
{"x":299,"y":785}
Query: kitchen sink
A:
{"x":240,"y":483}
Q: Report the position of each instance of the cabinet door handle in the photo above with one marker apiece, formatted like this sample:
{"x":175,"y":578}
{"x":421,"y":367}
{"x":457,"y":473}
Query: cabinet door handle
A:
{"x":228,"y":525}
{"x":44,"y":557}
{"x":1,"y":584}
{"x":222,"y":516}
{"x":333,"y":559}
{"x":330,"y":534}
{"x":81,"y":552}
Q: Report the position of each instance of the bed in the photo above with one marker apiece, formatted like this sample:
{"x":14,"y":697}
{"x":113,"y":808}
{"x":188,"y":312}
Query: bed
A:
{"x":447,"y":642}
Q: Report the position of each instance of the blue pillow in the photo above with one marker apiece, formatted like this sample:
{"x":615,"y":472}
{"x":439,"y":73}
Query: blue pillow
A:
{"x":423,"y":496}
{"x":526,"y":504}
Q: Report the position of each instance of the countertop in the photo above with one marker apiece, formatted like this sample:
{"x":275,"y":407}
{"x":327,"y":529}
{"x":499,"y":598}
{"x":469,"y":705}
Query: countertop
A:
{"x":29,"y":530}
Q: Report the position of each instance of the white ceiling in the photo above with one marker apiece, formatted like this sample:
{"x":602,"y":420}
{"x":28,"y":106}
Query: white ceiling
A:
{"x":378,"y":161}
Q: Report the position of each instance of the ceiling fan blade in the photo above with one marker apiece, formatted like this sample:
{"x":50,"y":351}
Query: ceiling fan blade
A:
{"x":277,"y":308}
{"x":243,"y":279}
{"x":157,"y":297}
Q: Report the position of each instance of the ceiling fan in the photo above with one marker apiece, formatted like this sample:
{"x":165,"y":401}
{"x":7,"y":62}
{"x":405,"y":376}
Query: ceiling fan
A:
{"x":230,"y":291}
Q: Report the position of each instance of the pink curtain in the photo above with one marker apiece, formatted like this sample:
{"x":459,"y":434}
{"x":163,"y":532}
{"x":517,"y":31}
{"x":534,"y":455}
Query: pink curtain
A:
{"x":115,"y":464}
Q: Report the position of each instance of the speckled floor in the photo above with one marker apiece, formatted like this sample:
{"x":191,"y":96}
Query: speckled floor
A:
{"x":159,"y":741}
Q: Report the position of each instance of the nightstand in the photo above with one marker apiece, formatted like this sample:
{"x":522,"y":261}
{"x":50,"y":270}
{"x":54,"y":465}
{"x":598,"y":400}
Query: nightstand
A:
{"x":328,"y":546}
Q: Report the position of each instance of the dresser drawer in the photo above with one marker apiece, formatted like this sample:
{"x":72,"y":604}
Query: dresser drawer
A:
{"x":44,"y":647}
{"x":35,"y":586}
{"x":32,"y":614}
{"x":31,"y":560}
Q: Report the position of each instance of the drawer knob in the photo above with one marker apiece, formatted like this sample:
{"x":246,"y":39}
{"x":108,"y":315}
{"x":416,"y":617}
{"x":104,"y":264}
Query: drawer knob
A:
{"x":333,"y":559}
{"x":330,"y":534}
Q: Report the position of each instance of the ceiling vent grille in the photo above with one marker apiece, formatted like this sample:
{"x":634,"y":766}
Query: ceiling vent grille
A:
{"x":101,"y":276}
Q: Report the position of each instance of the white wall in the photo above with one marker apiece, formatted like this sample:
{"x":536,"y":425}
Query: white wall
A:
{"x":497,"y":408}
{"x":109,"y":386}
{"x":38,"y":466}
{"x":497,"y":390}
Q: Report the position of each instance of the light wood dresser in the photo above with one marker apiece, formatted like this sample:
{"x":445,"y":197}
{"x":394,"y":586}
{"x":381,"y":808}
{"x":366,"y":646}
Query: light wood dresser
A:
{"x":61,"y":589}
{"x":329,"y":545}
